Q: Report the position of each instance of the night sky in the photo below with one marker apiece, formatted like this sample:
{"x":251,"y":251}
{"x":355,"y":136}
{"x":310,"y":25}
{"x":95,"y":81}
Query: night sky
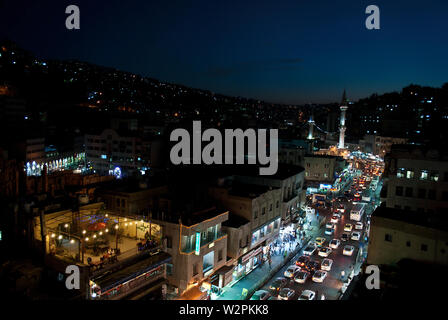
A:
{"x":280,"y":51}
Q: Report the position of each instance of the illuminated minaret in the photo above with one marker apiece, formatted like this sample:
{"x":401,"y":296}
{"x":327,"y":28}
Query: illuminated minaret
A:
{"x":342,"y":126}
{"x":310,"y":132}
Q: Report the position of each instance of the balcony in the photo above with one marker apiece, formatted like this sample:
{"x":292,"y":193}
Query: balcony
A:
{"x":209,"y":239}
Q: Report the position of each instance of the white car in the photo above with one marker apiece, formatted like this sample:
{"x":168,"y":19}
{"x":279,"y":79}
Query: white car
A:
{"x":337,"y":214}
{"x":334,"y":244}
{"x":329,"y":225}
{"x":289,"y":273}
{"x":307,"y":295}
{"x":348,"y":227}
{"x":326,"y":264}
{"x":358,"y":226}
{"x":286,"y":294}
{"x":301,"y":276}
{"x":325,"y":252}
{"x":260,"y":295}
{"x":356,"y":235}
{"x":348,"y":250}
{"x":329,"y":231}
{"x":319,"y":276}
{"x":309,"y":250}
{"x":334,"y":219}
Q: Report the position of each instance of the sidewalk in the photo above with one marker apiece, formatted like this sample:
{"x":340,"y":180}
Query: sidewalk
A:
{"x":258,"y":277}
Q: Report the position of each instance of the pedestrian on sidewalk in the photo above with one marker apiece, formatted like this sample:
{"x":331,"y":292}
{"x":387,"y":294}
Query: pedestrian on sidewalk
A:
{"x":270,"y":262}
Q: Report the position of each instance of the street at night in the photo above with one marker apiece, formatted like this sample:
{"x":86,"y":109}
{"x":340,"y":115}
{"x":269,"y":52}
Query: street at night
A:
{"x":214,"y":159}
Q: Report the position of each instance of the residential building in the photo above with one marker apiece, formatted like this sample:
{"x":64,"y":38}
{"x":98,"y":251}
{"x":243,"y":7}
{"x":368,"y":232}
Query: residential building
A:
{"x":289,"y":179}
{"x":396,"y":234}
{"x":261,"y":206}
{"x":323,"y":168}
{"x":380,"y":145}
{"x":118,"y":152}
{"x":416,"y":179}
{"x":198,"y":247}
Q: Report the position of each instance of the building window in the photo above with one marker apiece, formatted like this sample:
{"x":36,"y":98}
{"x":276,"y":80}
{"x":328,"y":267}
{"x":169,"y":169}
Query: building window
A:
{"x":195,"y":269}
{"x":422,"y":193}
{"x":270,"y":207}
{"x":399,"y":191}
{"x":220,"y":255}
{"x":410,"y":174}
{"x":424,"y":247}
{"x":408,"y":243}
{"x":424,"y":175}
{"x":432,"y":194}
{"x":401,"y":173}
{"x":256,"y":214}
{"x":276,"y":205}
{"x":169,"y":269}
{"x":445,"y":195}
{"x":169,"y":242}
{"x":434,"y":176}
{"x":208,"y":261}
{"x":263,"y":211}
{"x":118,"y":202}
{"x":409,"y":192}
{"x":388,"y":237}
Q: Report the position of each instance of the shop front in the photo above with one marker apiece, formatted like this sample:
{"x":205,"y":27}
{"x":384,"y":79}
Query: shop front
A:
{"x":248,"y":262}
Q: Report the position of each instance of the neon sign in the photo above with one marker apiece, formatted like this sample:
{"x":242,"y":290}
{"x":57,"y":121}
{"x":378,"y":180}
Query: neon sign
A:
{"x":198,"y":243}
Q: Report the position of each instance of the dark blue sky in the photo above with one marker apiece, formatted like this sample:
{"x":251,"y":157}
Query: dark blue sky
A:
{"x":281,"y":51}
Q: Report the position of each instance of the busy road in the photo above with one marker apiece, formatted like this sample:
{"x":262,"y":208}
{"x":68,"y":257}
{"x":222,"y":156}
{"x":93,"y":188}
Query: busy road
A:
{"x":323,"y":268}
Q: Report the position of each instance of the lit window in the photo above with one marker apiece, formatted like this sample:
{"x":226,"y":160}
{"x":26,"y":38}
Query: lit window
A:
{"x":424,"y":175}
{"x":410,"y":174}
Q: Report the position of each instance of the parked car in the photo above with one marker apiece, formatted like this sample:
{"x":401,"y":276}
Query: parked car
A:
{"x":286,"y":294}
{"x":319,"y":276}
{"x":326,"y":264}
{"x":348,"y":227}
{"x":345,"y":236}
{"x":261,"y":295}
{"x":334,"y":243}
{"x":358,"y":226}
{"x":334,"y":219}
{"x":302,"y":261}
{"x":329,"y":231}
{"x":348,"y":250}
{"x":301,"y":276}
{"x":307,"y":295}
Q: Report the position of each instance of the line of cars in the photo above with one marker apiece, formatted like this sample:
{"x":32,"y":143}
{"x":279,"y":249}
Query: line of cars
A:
{"x":305,"y":268}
